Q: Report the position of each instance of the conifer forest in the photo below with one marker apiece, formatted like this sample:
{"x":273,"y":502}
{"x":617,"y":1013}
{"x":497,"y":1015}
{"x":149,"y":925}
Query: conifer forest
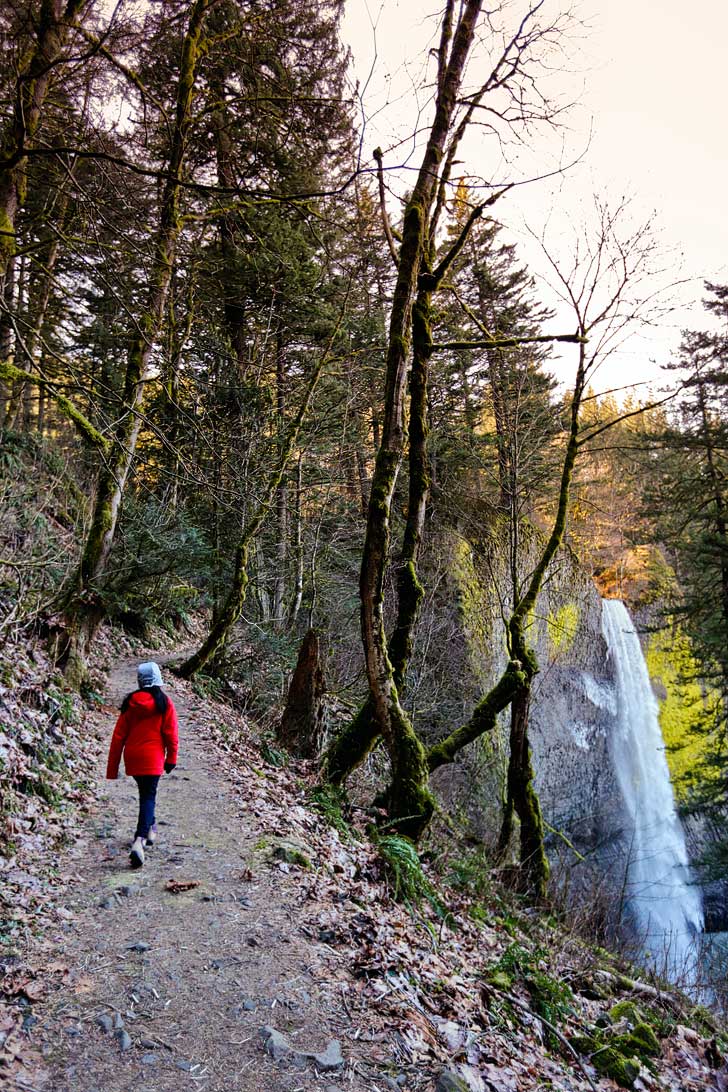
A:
{"x":293,"y":405}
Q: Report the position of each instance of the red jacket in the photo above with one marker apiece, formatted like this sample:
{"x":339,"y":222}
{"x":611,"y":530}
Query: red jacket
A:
{"x":147,"y":738}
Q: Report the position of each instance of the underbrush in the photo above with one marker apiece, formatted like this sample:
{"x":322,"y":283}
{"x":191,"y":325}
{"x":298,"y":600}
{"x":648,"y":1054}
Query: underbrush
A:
{"x":40,"y":507}
{"x":47,"y":760}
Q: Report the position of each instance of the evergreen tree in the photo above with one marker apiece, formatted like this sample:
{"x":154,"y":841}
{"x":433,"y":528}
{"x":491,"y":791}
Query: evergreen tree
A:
{"x":686,"y":496}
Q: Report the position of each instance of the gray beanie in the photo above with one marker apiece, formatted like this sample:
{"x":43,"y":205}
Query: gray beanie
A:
{"x":149,"y":675}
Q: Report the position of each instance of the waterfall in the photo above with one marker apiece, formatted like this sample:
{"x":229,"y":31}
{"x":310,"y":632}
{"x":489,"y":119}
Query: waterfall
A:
{"x":665,"y":906}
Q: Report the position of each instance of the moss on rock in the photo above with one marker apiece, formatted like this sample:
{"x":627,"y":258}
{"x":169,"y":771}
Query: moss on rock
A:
{"x":645,"y":1041}
{"x":500,"y":979}
{"x":584,"y":1044}
{"x":626,"y":1010}
{"x":562,"y":626}
{"x":611,"y":1063}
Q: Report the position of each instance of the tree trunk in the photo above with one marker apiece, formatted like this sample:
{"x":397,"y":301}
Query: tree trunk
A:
{"x":235,"y":600}
{"x":522,"y":799}
{"x":281,"y":549}
{"x":362,"y":735}
{"x":411,"y":802}
{"x":84,"y":603}
{"x":298,"y":546}
{"x":31,"y":88}
{"x":302,"y":729}
{"x":234,"y":311}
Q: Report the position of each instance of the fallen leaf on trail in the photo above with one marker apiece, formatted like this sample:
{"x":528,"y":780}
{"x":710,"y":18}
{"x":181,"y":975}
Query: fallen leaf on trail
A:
{"x":177,"y":886}
{"x":19,"y":983}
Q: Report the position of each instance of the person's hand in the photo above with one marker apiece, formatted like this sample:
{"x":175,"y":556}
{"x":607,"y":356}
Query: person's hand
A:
{"x":169,"y":766}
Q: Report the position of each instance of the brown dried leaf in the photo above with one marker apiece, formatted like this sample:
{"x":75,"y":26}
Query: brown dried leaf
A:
{"x":178,"y":886}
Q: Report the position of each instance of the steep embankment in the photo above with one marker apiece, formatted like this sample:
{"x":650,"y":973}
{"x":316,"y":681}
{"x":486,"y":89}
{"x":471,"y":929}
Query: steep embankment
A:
{"x":255,"y":911}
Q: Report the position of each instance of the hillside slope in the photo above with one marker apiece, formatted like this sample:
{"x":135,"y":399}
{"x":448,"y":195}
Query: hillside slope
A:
{"x":256,"y":911}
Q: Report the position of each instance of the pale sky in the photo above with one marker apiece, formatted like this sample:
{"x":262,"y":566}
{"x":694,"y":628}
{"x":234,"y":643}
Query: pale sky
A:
{"x":650,"y":79}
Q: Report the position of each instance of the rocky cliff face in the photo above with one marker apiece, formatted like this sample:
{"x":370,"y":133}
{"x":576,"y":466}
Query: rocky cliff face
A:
{"x":572,"y":716}
{"x":702,"y":832}
{"x":572,"y":706}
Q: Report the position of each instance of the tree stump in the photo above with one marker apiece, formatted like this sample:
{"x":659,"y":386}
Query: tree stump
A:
{"x":302,"y":729}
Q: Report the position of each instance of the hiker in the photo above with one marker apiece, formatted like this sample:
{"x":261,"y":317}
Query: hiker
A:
{"x":146,"y":732}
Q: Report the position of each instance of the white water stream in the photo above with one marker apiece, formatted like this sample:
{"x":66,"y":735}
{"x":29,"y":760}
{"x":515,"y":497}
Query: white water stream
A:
{"x":666,"y":906}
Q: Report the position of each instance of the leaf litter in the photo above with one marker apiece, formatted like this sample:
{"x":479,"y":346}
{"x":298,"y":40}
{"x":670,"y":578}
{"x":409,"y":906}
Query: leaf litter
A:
{"x":411,"y":987}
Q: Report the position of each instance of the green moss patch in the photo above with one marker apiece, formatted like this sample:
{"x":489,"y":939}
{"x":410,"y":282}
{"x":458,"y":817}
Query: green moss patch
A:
{"x":562,"y":626}
{"x":610,"y":1063}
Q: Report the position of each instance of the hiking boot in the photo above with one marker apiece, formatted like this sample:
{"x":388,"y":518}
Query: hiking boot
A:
{"x":136,"y":853}
{"x":151,"y":835}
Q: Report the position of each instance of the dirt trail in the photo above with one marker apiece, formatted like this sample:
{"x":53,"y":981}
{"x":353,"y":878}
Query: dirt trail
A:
{"x":212,"y":965}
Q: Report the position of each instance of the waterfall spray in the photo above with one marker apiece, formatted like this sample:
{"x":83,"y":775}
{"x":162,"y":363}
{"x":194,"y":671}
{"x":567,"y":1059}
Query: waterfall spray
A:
{"x":665,"y":906}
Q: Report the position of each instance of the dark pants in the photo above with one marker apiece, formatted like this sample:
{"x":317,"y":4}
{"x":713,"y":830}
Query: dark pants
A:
{"x":147,"y":785}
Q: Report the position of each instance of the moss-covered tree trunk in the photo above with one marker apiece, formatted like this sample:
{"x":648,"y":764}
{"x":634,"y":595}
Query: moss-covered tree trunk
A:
{"x":362,"y":734}
{"x":40,"y":298}
{"x":523,"y":799}
{"x":522,"y":795}
{"x":281,"y":547}
{"x":410,"y":802}
{"x":83,"y":602}
{"x":38,"y":64}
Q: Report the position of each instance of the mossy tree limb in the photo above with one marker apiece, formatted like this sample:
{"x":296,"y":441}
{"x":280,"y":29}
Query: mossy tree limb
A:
{"x":352,"y":746}
{"x":484,"y":718}
{"x":10,"y":374}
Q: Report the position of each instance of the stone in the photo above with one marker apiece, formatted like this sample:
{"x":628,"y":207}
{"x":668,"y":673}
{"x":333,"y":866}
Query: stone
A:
{"x":140,"y":946}
{"x":108,"y":903}
{"x":626,"y":1010}
{"x":449,"y":1081}
{"x":123,"y":1038}
{"x":276,"y":1044}
{"x":104,"y":1022}
{"x":182,"y":1064}
{"x":291,"y":853}
{"x":249,"y":1006}
{"x":280,"y":1050}
{"x":148,"y":1059}
{"x":610,"y":1063}
{"x":118,"y":1021}
{"x":328,"y":936}
{"x":331,"y":1058}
